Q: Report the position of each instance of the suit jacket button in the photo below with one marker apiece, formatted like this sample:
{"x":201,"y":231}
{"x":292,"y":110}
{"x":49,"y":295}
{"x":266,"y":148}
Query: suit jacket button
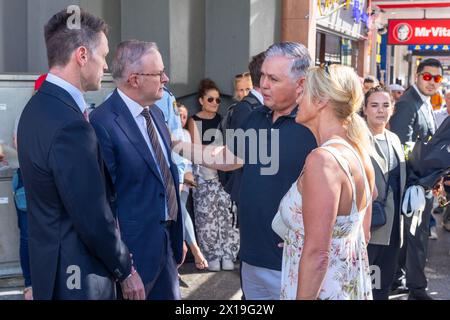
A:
{"x":162,"y":195}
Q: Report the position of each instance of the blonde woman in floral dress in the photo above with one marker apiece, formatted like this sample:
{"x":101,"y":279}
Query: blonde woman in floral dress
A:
{"x":328,"y":209}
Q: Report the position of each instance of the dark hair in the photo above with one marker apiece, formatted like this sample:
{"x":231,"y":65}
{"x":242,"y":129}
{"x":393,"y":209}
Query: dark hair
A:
{"x":255,"y":68}
{"x":430,"y":62}
{"x":370,"y":79}
{"x":206,"y":85}
{"x":180,"y":105}
{"x":61,"y":40}
{"x":375,"y":90}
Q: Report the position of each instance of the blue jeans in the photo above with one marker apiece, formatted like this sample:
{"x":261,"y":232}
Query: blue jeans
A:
{"x":189,"y":233}
{"x":24,"y":255}
{"x":432,"y":221}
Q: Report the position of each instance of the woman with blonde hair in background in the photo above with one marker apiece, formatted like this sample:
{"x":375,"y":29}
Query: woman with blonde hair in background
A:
{"x":242,"y":85}
{"x":327,"y":211}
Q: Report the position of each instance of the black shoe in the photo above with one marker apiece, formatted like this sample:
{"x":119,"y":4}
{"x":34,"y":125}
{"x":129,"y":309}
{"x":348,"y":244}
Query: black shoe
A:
{"x":419,"y":295}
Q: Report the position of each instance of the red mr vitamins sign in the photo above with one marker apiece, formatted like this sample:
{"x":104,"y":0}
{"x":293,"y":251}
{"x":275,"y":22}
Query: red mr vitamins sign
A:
{"x":405,"y":32}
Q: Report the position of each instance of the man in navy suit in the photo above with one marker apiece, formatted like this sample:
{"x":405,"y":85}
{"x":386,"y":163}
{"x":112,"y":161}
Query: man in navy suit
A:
{"x":136,"y":145}
{"x":75,"y":247}
{"x":414,"y":119}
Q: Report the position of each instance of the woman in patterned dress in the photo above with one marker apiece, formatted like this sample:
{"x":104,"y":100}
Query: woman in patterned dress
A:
{"x":328,"y":209}
{"x":215,"y":223}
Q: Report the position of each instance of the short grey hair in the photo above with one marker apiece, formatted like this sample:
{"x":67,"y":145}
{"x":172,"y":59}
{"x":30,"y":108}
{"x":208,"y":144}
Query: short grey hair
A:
{"x":301,"y":60}
{"x":128,"y":58}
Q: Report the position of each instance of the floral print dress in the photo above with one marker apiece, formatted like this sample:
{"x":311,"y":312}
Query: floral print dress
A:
{"x":348,"y":274}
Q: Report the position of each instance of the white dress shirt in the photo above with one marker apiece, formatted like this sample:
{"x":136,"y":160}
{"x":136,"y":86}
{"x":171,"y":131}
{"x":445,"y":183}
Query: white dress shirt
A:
{"x":428,"y":109}
{"x":136,"y":110}
{"x":75,"y":93}
{"x":258,"y":96}
{"x":440,"y":115}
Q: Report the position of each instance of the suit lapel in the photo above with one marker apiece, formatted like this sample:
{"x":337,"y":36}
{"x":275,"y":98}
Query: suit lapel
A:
{"x":61,"y":94}
{"x":165,"y":135}
{"x":162,"y":128}
{"x":421,"y":109}
{"x":381,"y":161}
{"x":426,"y":116}
{"x":400,"y":156}
{"x":129,"y":127}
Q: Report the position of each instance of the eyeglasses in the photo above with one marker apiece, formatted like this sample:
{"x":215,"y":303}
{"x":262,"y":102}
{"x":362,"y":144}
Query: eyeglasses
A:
{"x":211,"y":100}
{"x":159,"y":74}
{"x":428,"y":76}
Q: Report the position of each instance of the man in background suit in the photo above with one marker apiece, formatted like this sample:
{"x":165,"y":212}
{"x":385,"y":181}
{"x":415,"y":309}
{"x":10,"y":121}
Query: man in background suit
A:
{"x":231,"y":181}
{"x":136,"y":145}
{"x":75,"y":247}
{"x":413,"y":119}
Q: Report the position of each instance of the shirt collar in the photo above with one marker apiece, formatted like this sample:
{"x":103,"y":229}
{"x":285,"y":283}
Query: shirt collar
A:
{"x":74,"y":92}
{"x":422,"y":96}
{"x":258,"y":96}
{"x":134,"y":107}
{"x":293,"y":113}
{"x":269,"y":111}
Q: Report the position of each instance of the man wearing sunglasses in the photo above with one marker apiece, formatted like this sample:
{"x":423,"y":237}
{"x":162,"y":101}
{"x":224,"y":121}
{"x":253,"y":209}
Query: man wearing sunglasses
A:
{"x":413,"y":120}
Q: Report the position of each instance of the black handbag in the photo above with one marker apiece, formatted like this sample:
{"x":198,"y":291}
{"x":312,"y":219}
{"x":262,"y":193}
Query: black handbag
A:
{"x":378,"y":211}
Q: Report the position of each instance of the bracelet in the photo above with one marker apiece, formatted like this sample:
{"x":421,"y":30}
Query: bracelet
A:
{"x":133,"y":271}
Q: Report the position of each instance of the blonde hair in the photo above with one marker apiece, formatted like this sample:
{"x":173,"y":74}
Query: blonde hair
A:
{"x":241,"y":77}
{"x":341,"y":85}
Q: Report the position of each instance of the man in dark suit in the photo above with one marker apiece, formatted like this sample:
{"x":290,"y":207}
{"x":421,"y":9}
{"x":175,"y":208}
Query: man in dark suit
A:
{"x":75,"y":247}
{"x":413,"y":120}
{"x":236,"y":116}
{"x":136,"y":145}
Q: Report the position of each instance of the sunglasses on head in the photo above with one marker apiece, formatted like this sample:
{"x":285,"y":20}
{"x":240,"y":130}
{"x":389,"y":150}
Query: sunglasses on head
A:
{"x":241,"y":75}
{"x":325,"y":67}
{"x":211,"y":100}
{"x":428,"y":76}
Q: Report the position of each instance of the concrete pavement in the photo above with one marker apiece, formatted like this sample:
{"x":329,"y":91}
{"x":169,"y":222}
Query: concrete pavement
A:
{"x":225,"y":285}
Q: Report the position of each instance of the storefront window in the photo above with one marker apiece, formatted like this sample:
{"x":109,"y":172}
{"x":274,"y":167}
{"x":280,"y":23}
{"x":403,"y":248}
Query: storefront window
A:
{"x":346,"y":52}
{"x":328,"y":48}
{"x":333,"y":49}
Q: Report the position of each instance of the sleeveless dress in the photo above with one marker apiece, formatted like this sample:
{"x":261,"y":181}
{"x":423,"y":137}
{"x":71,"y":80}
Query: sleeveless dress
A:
{"x":348,"y":274}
